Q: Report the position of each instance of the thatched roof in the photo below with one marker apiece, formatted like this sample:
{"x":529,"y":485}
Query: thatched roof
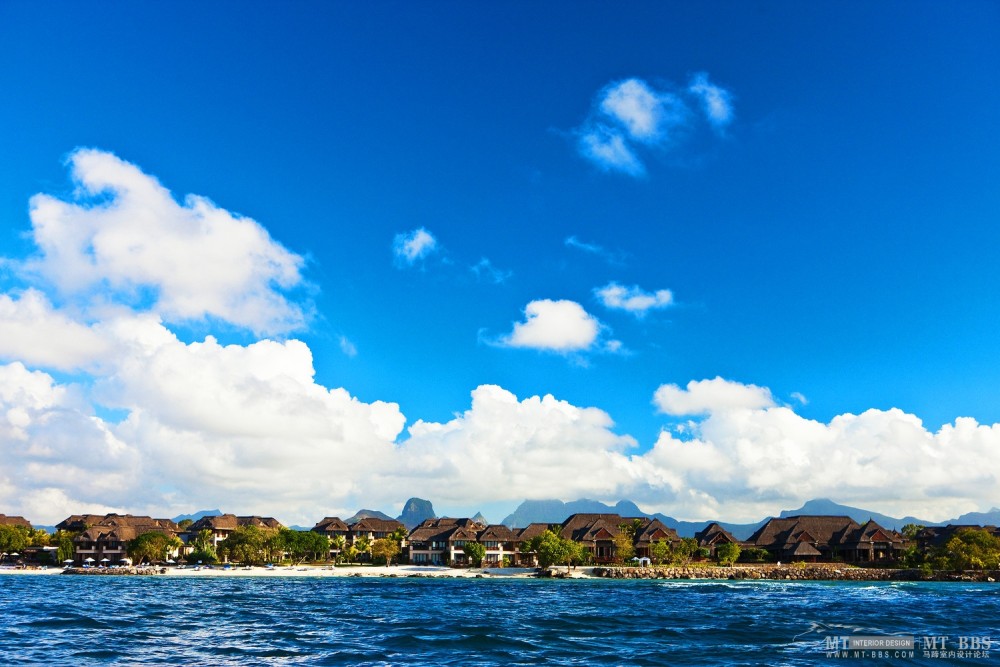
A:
{"x":373,"y":525}
{"x":230,"y":522}
{"x":445,"y":529}
{"x":123,"y":528}
{"x":713,"y":533}
{"x":77,"y":522}
{"x":14,"y":521}
{"x":331,"y":524}
{"x":498,"y":533}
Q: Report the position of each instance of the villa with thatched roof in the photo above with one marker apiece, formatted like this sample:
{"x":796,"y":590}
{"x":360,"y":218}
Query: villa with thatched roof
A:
{"x":501,"y":543}
{"x":223,"y":525}
{"x":79,"y":522}
{"x":106,"y":541}
{"x":597,"y":533}
{"x":373,"y":528}
{"x":815,"y":538}
{"x":442,"y":541}
{"x":712,"y":536}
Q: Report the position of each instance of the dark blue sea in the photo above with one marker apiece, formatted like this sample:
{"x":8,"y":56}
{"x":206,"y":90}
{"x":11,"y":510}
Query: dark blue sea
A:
{"x":66,"y":620}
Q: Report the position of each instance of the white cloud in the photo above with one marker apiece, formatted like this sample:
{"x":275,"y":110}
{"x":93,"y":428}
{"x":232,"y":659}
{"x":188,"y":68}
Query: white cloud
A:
{"x":506,"y":449}
{"x":32,"y":332}
{"x":607,"y":148}
{"x":716,"y":102}
{"x":632,"y":116}
{"x":124,"y":238}
{"x":633,"y":299}
{"x":645,"y":114}
{"x":709,"y":396}
{"x":413,"y":246}
{"x":557,"y":326}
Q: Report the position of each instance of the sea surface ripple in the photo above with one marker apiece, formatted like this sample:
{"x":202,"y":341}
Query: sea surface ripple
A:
{"x":351,"y":621}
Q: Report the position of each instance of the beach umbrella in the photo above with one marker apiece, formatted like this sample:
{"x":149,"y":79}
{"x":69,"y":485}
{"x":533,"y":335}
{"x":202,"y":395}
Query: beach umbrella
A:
{"x":68,"y":561}
{"x":105,"y":560}
{"x":14,"y":555}
{"x":88,"y":559}
{"x":171,"y":561}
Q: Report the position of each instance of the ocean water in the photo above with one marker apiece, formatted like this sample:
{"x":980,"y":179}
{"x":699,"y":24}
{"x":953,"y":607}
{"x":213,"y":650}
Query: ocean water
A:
{"x":348,"y":621}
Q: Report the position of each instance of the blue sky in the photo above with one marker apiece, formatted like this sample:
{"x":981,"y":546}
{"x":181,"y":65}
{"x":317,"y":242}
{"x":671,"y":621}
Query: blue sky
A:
{"x":804,"y":199}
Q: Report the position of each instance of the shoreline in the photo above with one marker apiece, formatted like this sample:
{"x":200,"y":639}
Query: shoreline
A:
{"x":816,"y":572}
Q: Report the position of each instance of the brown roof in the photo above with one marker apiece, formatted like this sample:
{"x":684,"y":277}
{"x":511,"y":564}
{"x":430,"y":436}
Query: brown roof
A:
{"x":232,"y":522}
{"x":591,"y":527}
{"x":654,"y":530}
{"x":713,"y":533}
{"x":444,"y":529}
{"x":77,"y":522}
{"x":820,"y":531}
{"x":14,"y":521}
{"x":498,"y":533}
{"x":373,"y":525}
{"x":330,"y":524}
{"x":125,"y":527}
{"x":532,"y":530}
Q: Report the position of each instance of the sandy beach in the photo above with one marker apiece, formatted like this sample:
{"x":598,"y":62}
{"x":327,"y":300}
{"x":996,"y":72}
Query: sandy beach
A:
{"x":315,"y":571}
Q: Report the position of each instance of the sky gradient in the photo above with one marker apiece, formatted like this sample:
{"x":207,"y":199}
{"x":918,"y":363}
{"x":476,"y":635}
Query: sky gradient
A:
{"x":717,"y":259}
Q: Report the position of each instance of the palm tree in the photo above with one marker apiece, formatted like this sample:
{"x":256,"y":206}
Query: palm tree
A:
{"x":339,"y":543}
{"x":363,"y":544}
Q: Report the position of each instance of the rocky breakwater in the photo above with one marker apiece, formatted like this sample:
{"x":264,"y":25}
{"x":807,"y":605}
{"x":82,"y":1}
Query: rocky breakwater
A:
{"x":114,"y":571}
{"x":815,"y":572}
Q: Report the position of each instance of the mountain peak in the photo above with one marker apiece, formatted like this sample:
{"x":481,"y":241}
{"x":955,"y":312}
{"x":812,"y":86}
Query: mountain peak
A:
{"x":415,"y":512}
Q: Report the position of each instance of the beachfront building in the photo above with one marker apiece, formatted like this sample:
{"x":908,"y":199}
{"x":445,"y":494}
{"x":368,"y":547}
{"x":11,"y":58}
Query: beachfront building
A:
{"x":712,"y":536}
{"x":223,"y":525}
{"x":597,"y":533}
{"x":373,"y":529}
{"x":501,"y":544}
{"x":442,"y":541}
{"x":826,"y":538}
{"x":526,"y":534}
{"x":106,"y":541}
{"x":333,"y":527}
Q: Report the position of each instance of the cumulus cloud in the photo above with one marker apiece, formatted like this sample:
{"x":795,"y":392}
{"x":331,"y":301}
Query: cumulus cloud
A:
{"x":709,"y":396}
{"x":411,"y":247}
{"x":633,"y":299}
{"x":33,"y":332}
{"x":124,"y":238}
{"x":556,"y":326}
{"x":517,"y":449}
{"x":633,"y":114}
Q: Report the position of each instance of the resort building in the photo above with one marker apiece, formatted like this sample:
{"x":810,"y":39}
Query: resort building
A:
{"x":333,"y":527}
{"x":815,"y":538}
{"x":223,"y":525}
{"x":442,"y":541}
{"x":373,"y":529}
{"x":105,"y":542}
{"x":935,"y":537}
{"x":597,"y":533}
{"x":712,"y":536}
{"x":501,"y":544}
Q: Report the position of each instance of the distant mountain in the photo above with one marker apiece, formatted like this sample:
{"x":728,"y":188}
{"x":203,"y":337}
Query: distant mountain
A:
{"x":991,"y":518}
{"x":415,"y":512}
{"x":197,"y":515}
{"x":826,"y":507}
{"x":556,"y":511}
{"x":367,"y":514}
{"x":481,"y":519}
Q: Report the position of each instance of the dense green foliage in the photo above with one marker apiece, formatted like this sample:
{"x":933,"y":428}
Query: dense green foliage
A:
{"x":551,"y":549}
{"x":304,"y":544}
{"x":476,"y":553}
{"x":151,"y":547}
{"x":252,"y":545}
{"x":726,"y":554}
